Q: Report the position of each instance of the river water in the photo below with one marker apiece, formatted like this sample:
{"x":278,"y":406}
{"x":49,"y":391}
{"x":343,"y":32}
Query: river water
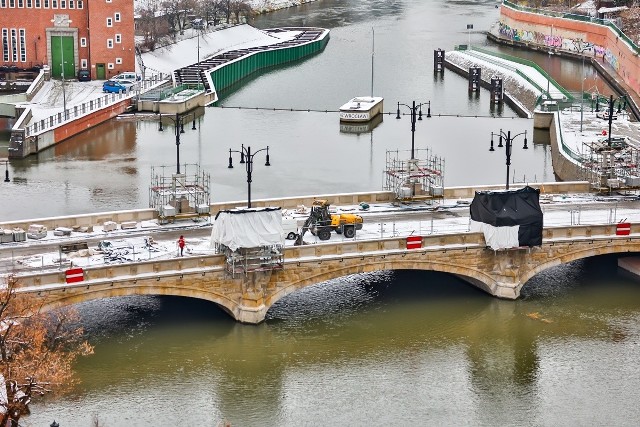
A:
{"x":399,"y":347}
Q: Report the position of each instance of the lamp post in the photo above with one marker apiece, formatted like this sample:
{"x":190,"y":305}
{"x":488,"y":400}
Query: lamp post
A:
{"x":64,"y":95}
{"x":581,"y":48}
{"x":416,"y":112}
{"x":610,"y":111}
{"x":179,"y":128}
{"x":508,"y":144}
{"x":246,"y":157}
{"x":6,"y":170}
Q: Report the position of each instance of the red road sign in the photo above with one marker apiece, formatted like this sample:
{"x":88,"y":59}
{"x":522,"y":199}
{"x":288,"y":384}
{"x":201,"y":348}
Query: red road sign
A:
{"x":623,"y":229}
{"x":74,"y":275}
{"x":414,"y":242}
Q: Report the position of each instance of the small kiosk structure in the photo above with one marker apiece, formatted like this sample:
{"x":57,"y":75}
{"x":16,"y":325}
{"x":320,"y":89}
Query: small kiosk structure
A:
{"x":251,"y":239}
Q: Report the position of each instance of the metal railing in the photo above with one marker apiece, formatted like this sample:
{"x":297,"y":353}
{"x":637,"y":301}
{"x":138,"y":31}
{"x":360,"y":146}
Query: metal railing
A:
{"x":75,"y":111}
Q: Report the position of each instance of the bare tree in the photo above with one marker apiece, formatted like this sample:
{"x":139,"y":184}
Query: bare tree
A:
{"x":176,"y":13}
{"x":152,"y":25}
{"x":240,"y":8}
{"x":37,"y":352}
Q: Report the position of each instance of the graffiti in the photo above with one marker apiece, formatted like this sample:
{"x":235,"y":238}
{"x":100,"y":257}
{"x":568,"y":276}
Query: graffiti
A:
{"x":553,"y":41}
{"x":558,"y":42}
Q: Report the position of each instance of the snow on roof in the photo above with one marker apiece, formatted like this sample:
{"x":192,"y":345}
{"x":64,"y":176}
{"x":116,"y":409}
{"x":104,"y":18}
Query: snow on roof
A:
{"x":612,"y":9}
{"x":184,"y":53}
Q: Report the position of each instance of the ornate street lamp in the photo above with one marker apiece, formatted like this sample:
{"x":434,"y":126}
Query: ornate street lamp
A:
{"x":508,"y":144}
{"x":416,"y":112}
{"x":610,"y":111}
{"x":246,"y":157}
{"x":178,"y":121}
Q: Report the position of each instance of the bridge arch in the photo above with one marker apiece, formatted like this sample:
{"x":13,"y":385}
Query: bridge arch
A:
{"x":61,"y":299}
{"x":616,"y":247}
{"x":475,"y":277}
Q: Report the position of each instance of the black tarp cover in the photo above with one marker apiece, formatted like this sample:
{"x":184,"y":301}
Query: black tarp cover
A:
{"x":510,"y":208}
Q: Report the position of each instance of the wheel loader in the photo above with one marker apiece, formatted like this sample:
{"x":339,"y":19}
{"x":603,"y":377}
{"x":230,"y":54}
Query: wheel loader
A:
{"x":321,"y":222}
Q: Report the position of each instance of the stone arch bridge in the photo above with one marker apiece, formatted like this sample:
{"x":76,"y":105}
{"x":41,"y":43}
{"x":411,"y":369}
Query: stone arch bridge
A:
{"x":248,"y":297}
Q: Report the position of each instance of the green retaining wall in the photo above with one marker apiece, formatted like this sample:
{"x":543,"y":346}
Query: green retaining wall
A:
{"x":233,"y":72}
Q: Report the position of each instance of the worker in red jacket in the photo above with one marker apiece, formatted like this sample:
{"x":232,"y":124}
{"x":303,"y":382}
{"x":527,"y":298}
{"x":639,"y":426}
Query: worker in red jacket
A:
{"x":181,"y":244}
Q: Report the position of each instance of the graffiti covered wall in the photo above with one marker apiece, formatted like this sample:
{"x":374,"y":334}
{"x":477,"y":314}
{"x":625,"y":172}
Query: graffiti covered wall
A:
{"x":575,"y":36}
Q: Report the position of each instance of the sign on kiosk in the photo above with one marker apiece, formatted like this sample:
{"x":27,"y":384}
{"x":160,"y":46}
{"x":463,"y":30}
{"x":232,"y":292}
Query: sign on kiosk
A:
{"x":74,"y":275}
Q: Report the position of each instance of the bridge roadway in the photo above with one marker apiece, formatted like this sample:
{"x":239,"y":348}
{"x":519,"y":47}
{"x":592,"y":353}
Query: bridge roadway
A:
{"x":576,"y":226}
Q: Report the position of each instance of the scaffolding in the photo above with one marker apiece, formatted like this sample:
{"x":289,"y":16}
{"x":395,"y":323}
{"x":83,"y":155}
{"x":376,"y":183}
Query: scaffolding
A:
{"x":611,"y":167}
{"x":414,"y":179}
{"x":180,"y":196}
{"x":250,"y":260}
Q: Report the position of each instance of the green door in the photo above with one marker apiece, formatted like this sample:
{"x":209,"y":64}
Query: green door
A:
{"x":62,"y":52}
{"x":100,"y":72}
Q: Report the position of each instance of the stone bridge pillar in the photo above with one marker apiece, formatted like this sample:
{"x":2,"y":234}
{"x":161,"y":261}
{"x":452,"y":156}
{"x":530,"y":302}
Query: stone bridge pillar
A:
{"x":252,"y":307}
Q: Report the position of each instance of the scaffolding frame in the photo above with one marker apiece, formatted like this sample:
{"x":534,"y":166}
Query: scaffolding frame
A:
{"x":611,"y":167}
{"x":414,"y":179}
{"x":180,"y":196}
{"x":243,"y":261}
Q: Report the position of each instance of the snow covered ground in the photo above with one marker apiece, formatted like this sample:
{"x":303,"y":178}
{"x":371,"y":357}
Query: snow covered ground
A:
{"x":151,"y":241}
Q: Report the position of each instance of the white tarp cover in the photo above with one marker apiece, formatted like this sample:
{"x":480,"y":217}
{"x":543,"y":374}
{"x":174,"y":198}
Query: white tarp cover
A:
{"x":497,"y":237}
{"x":248,"y":228}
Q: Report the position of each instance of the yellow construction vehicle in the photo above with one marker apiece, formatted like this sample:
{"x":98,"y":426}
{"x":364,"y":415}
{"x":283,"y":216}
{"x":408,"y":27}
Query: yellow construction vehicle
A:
{"x":320,"y":222}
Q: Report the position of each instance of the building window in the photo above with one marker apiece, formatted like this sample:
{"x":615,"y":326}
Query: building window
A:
{"x":80,"y":4}
{"x":109,"y":22}
{"x":38,"y":4}
{"x":29,"y":4}
{"x":23,"y":46}
{"x":46,"y":4}
{"x":63,"y":4}
{"x":14,"y":46}
{"x":54,"y":4}
{"x":110,"y":43}
{"x":5,"y":45}
{"x":12,"y":3}
{"x":3,"y":3}
{"x":72,"y":4}
{"x":20,"y":3}
{"x":83,"y":64}
{"x":118,"y":38}
{"x":117,"y":16}
{"x":118,"y":60}
{"x":110,"y":65}
{"x":108,"y":1}
{"x":83,"y":42}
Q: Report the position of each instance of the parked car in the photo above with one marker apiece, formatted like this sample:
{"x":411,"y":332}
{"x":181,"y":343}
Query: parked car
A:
{"x":84,"y":76}
{"x":128,"y":75}
{"x":111,"y":86}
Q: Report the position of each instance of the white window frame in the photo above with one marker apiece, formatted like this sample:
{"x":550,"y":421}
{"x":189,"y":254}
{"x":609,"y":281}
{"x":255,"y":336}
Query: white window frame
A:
{"x":22,"y":36}
{"x":14,"y":45}
{"x":38,"y":4}
{"x":83,"y":64}
{"x":117,"y":17}
{"x":118,"y":38}
{"x":109,"y":43}
{"x":5,"y":44}
{"x":80,"y":4}
{"x":109,"y":22}
{"x":119,"y":61}
{"x":110,"y":66}
{"x":54,"y":4}
{"x":83,"y":42}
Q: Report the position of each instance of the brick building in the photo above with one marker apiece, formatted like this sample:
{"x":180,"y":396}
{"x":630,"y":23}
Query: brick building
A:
{"x":68,"y":35}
